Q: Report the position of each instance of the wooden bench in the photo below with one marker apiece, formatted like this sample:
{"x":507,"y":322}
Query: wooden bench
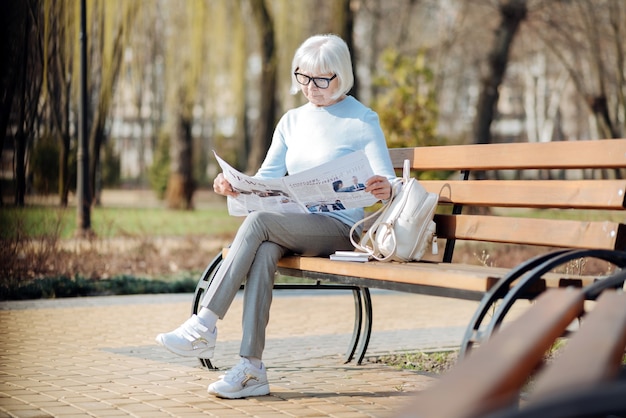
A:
{"x":511,"y":207}
{"x":581,"y":378}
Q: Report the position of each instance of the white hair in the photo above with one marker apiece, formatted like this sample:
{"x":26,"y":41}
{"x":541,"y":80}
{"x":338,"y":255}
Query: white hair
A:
{"x":324,"y":54}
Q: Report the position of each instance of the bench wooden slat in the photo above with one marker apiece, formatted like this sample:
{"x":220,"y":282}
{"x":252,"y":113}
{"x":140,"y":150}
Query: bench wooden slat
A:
{"x":593,"y":354}
{"x":443,"y":275}
{"x":459,"y":276}
{"x":465,"y":277}
{"x":563,"y":194}
{"x":548,"y":232}
{"x":550,"y":155}
{"x":491,"y":376}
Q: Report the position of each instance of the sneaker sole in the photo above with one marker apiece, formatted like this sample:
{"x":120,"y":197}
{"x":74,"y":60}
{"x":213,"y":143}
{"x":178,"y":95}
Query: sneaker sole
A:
{"x":205,"y":353}
{"x":257,"y":390}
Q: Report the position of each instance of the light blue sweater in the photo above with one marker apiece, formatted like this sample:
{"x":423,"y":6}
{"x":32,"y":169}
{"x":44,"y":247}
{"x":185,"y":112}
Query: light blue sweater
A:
{"x":308,"y":136}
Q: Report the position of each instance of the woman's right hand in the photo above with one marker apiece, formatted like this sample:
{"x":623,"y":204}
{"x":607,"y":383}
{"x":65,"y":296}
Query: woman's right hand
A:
{"x":223,"y":187}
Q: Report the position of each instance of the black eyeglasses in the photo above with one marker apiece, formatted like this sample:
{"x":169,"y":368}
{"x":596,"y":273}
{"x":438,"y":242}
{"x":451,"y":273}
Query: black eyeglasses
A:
{"x":320,"y":82}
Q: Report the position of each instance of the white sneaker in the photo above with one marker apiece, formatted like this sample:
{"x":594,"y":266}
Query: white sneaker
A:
{"x":191,"y":339}
{"x":241,"y":381}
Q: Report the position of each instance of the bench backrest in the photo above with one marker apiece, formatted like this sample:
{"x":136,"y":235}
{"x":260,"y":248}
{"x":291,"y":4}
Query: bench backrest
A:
{"x":508,"y":198}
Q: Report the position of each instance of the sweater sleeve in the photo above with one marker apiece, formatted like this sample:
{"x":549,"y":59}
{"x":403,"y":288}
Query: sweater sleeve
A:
{"x":376,"y":147}
{"x":274,"y":164}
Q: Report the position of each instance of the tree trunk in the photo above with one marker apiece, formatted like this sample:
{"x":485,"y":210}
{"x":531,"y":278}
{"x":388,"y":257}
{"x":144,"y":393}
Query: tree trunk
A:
{"x":95,"y":144}
{"x":262,"y":134}
{"x":64,"y":176}
{"x":59,"y":88}
{"x":180,"y":185}
{"x":64,"y":157}
{"x":512,"y":13}
{"x":11,"y":21}
{"x":346,"y":31}
{"x":20,"y":139}
{"x":103,"y":85}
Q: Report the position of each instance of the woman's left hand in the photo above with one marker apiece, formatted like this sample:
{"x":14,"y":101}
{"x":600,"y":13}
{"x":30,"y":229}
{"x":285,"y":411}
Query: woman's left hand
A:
{"x":379,"y":186}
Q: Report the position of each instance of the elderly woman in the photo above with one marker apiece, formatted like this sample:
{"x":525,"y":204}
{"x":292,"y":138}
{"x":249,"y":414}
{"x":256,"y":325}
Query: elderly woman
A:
{"x":332,"y":124}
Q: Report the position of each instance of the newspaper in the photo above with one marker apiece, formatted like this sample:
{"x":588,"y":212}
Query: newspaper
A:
{"x":335,"y":185}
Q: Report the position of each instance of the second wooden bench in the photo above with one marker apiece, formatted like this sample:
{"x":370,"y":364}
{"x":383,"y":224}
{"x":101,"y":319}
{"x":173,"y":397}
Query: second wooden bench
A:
{"x":526,"y":369}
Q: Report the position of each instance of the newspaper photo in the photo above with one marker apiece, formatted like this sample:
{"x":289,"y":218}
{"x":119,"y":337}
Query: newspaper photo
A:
{"x":332,"y":186}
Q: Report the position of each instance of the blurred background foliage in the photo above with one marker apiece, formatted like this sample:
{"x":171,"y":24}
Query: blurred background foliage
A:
{"x":407,"y":106}
{"x":169,"y":81}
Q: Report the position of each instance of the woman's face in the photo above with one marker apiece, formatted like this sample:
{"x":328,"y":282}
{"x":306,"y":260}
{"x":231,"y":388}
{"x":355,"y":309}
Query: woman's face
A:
{"x":314,"y":94}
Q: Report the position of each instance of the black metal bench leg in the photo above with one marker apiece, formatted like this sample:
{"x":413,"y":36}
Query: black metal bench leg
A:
{"x":367,"y":326}
{"x":614,"y":257}
{"x":356,"y":331}
{"x":201,"y":288}
{"x":475,"y":333}
{"x":526,"y":274}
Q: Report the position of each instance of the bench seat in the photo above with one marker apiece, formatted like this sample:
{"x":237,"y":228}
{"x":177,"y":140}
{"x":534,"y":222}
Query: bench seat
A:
{"x":426,"y":277}
{"x":430,"y":278}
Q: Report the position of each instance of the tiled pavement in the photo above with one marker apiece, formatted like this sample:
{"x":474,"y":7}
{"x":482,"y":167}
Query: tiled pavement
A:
{"x":97,"y":356}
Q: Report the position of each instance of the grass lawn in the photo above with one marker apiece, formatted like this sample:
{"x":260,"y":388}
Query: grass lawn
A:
{"x":39,"y":221}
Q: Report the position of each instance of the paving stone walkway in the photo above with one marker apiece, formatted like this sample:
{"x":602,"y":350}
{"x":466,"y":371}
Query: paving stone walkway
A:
{"x":97,"y":356}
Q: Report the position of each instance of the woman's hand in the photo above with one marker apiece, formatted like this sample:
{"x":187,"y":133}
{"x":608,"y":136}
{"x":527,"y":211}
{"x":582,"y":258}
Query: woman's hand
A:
{"x":379,"y":186}
{"x":223,"y":187}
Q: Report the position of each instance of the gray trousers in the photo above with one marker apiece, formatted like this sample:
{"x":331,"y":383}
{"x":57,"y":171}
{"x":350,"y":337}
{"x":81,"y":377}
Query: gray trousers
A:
{"x":261,"y":241}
